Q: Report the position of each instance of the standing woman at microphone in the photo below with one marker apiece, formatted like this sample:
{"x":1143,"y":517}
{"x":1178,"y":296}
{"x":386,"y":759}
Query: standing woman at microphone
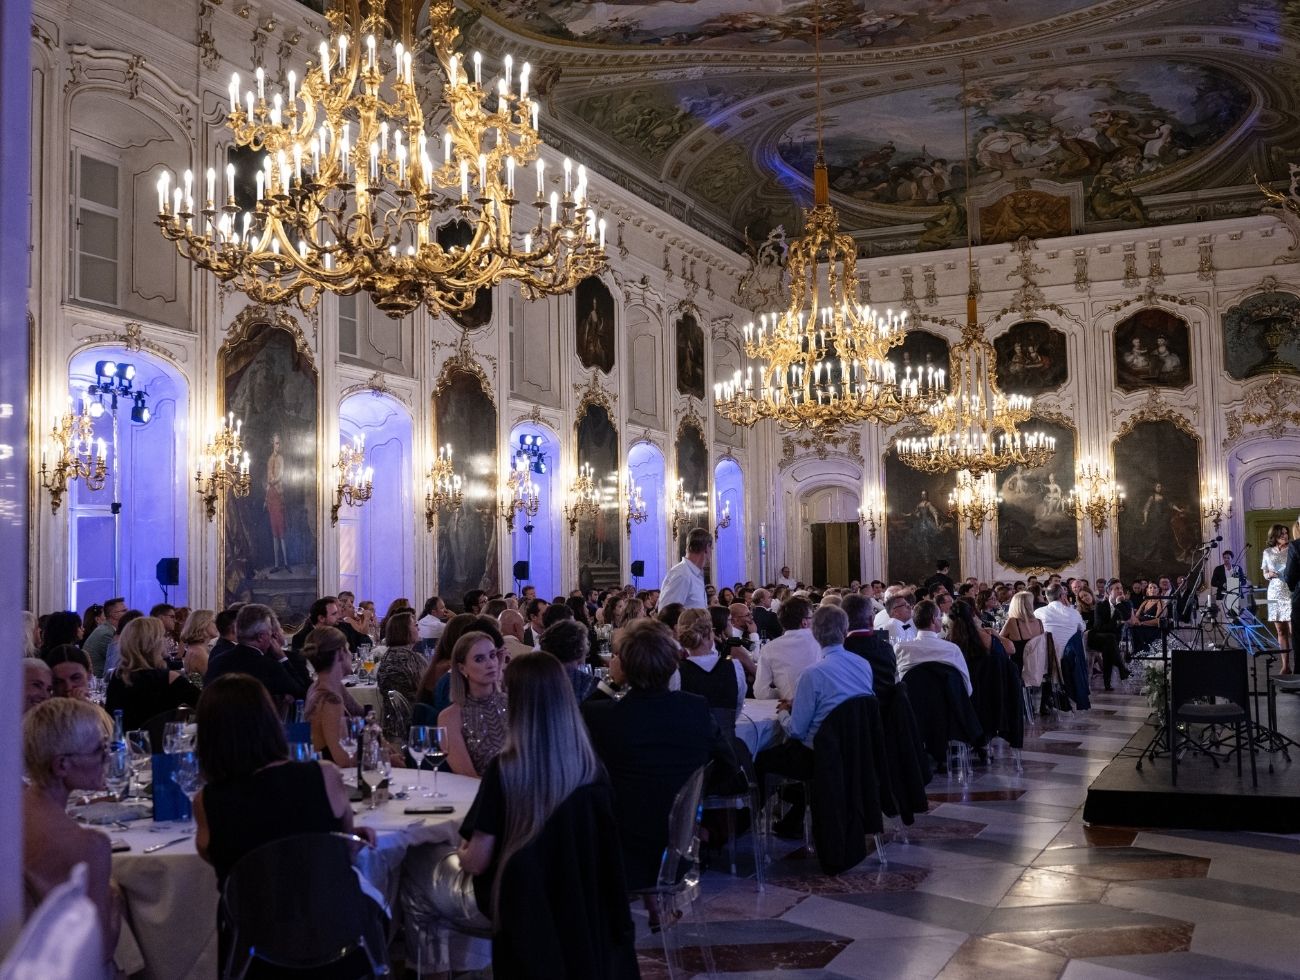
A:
{"x":1281,"y":566}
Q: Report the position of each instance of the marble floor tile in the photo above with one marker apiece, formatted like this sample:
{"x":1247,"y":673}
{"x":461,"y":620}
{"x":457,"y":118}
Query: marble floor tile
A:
{"x":1263,"y":941}
{"x":1146,"y":870}
{"x":898,"y":959}
{"x":1267,"y":900}
{"x":757,"y":956}
{"x":984,"y":886}
{"x":930,"y":827}
{"x":1069,"y":918}
{"x":1117,"y":940}
{"x":1141,"y":897}
{"x":980,"y":957}
{"x":855,"y":921}
{"x":1057,"y":810}
{"x":992,"y":849}
{"x":890,"y":878}
{"x":936,"y":910}
{"x":974,"y":814}
{"x":975,"y":796}
{"x":1034,"y":836}
{"x":737,"y":932}
{"x":1188,"y":966}
{"x":1044,"y":886}
{"x":1093,"y":970}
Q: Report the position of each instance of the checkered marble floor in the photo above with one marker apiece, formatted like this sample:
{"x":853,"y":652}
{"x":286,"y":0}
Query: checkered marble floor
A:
{"x":1001,"y":878}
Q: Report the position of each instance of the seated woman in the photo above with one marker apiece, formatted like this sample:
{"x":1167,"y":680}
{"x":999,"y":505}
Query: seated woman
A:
{"x":402,"y":667}
{"x":1021,"y":625}
{"x":428,"y":690}
{"x":142,"y":686}
{"x":65,"y":743}
{"x":70,"y":672}
{"x":253,"y":793}
{"x":198,"y":633}
{"x":651,"y":741}
{"x":476,"y":718}
{"x":541,"y":843}
{"x":326,"y":650}
{"x":566,"y":641}
{"x":1150,"y":616}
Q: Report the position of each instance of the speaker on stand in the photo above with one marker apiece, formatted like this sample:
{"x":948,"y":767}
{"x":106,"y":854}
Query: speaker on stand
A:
{"x":638,"y":569}
{"x":520,"y":572}
{"x":168,"y":572}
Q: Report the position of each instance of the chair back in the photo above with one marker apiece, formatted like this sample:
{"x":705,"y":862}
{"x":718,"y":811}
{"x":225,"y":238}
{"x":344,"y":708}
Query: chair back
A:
{"x":1200,"y":674}
{"x":1034,"y":666}
{"x":681,"y":852}
{"x":296,"y":903}
{"x":397,"y":714}
{"x":157,"y":725}
{"x":62,"y":939}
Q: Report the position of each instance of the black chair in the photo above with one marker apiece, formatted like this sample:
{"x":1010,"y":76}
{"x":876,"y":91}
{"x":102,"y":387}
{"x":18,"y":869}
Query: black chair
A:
{"x":944,"y":712}
{"x":295,"y":903}
{"x":849,"y":780}
{"x":1197,"y":675}
{"x":157,"y":725}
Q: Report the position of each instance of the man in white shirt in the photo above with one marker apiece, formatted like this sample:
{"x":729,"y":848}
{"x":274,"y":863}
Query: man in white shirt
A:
{"x":784,"y":659}
{"x":684,"y":582}
{"x":898,"y":620}
{"x":1059,"y":618}
{"x":512,"y":632}
{"x":928,"y":646}
{"x":434,"y":620}
{"x":785,"y":579}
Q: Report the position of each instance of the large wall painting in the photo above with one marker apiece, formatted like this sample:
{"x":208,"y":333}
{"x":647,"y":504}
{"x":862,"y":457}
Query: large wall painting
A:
{"x":920,"y":351}
{"x":768,"y":27}
{"x":1261,"y":336}
{"x":1157,"y":463}
{"x":594,"y":304}
{"x":1036,"y":528}
{"x":693,"y":470}
{"x":1031,"y":359}
{"x":690,"y":356}
{"x":1152,"y":350}
{"x":918,"y":531}
{"x":600,"y":537}
{"x":272,"y":535}
{"x":466,"y":417}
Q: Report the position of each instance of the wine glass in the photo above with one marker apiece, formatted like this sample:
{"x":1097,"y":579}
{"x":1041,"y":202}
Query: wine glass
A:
{"x":117,"y":769}
{"x":373,"y":768}
{"x":417,"y":743}
{"x":141,"y":753}
{"x":189,"y":778}
{"x":178,"y":738}
{"x":351,"y":730}
{"x":436,"y":753}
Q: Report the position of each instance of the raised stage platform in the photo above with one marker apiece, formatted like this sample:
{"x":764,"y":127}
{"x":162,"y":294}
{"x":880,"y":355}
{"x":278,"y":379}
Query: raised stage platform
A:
{"x":1205,"y":798}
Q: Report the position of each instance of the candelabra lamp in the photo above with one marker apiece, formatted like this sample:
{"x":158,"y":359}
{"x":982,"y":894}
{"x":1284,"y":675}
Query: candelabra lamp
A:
{"x":223,"y":465}
{"x":871,"y":515}
{"x":442,"y":487}
{"x":356,"y":479}
{"x":522,"y":496}
{"x":724,"y":521}
{"x":1215,"y":502}
{"x":72,"y":453}
{"x":1095,"y":495}
{"x":584,"y":498}
{"x":974,"y":500}
{"x":636,"y":507}
{"x":680,"y":509}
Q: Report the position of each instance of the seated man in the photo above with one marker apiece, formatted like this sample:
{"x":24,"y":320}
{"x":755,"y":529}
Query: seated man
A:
{"x":928,"y":646}
{"x":782,"y":660}
{"x":899,"y":624}
{"x":1059,"y":618}
{"x":872,"y":645}
{"x":838,"y":676}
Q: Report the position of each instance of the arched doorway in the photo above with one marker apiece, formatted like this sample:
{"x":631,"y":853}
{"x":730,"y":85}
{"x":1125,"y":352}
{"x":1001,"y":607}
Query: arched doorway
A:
{"x":118,"y":534}
{"x":833,"y":543}
{"x":376,"y":540}
{"x":729,"y":549}
{"x":647,"y":469}
{"x":535,"y":451}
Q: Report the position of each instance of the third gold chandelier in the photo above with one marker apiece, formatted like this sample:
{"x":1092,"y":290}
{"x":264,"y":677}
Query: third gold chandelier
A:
{"x":353,"y":190}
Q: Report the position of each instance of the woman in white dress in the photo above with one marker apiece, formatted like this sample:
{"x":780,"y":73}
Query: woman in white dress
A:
{"x":1273,"y":565}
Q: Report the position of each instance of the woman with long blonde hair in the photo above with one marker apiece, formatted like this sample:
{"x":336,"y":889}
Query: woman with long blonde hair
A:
{"x":142,"y":687}
{"x":1021,"y":625}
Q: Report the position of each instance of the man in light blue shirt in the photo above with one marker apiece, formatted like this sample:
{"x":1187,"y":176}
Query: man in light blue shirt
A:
{"x":684,"y":582}
{"x":838,"y":676}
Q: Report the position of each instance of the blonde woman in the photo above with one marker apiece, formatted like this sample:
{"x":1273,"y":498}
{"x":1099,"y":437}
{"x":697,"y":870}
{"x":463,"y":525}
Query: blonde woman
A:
{"x":1021,"y":625}
{"x":65,"y":743}
{"x":142,"y":686}
{"x":632,"y":610}
{"x":198,"y":633}
{"x":1273,"y":564}
{"x":476,"y":719}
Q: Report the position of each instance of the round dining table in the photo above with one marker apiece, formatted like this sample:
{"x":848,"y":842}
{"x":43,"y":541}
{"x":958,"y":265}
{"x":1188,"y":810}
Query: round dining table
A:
{"x":171,"y":893}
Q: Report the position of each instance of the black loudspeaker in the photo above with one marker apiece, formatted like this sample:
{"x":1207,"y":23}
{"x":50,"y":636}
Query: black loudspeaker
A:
{"x":638,"y":569}
{"x":168,"y":571}
{"x":521,"y":570}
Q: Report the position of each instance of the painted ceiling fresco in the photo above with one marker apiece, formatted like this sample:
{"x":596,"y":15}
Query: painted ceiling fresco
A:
{"x":1082,"y":115}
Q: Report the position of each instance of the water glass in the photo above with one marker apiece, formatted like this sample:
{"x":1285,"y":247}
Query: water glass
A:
{"x":188,"y":776}
{"x":178,"y":737}
{"x":141,"y":755}
{"x":117,"y":770}
{"x":417,"y":743}
{"x":373,"y":768}
{"x":351,"y":729}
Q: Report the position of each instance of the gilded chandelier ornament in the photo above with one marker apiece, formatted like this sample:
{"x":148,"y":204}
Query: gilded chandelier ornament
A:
{"x":1095,"y":495}
{"x":353,"y":189}
{"x":522,"y":495}
{"x":584,"y":498}
{"x":442,"y":488}
{"x":223,"y":465}
{"x":973,"y":501}
{"x":356,"y":479}
{"x":72,"y":453}
{"x":637,"y":511}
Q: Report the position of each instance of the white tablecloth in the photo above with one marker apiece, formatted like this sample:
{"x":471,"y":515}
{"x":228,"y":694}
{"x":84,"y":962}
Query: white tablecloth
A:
{"x":171,"y":895}
{"x":757,"y":726}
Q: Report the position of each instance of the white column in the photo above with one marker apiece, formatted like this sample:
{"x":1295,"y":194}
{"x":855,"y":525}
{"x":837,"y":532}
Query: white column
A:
{"x":15,"y":98}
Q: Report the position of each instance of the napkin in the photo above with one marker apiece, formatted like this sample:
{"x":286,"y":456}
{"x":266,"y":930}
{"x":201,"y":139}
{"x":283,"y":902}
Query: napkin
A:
{"x":110,"y":812}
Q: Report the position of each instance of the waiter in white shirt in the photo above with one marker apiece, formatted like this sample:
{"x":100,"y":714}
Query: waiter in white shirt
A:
{"x":785,"y":578}
{"x":684,"y":582}
{"x":1059,"y":618}
{"x":784,"y":659}
{"x":928,"y":646}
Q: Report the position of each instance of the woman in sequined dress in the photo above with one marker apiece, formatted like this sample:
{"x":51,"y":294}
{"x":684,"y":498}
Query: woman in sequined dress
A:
{"x":1273,"y":565}
{"x":476,"y":719}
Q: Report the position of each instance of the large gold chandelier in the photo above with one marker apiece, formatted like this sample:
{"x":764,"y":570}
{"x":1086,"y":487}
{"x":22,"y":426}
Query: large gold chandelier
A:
{"x":976,"y":427}
{"x":974,"y":500}
{"x":353,"y":189}
{"x":822,"y":362}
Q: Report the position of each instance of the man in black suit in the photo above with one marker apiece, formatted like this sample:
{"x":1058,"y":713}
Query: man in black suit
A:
{"x":324,"y":612}
{"x":1291,"y":575}
{"x":533,"y":612}
{"x":259,"y":653}
{"x":1109,"y":617}
{"x":650,"y":743}
{"x":941,"y":577}
{"x":872,"y":645}
{"x":225,"y":623}
{"x":1219,"y":577}
{"x":769,"y":627}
